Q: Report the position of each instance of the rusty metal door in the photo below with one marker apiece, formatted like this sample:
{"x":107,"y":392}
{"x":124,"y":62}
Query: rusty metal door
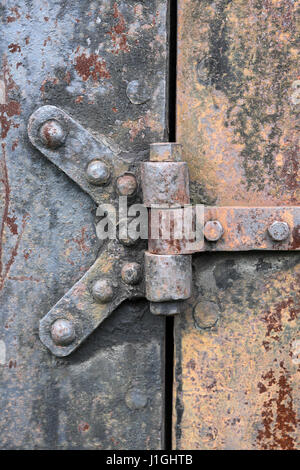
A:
{"x":99,"y":68}
{"x":237,"y":345}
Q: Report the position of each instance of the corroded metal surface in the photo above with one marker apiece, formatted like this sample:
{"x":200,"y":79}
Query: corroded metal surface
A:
{"x":78,"y":151}
{"x":237,"y":346}
{"x":79,"y":56}
{"x":165,"y":183}
{"x":237,"y":108}
{"x":237,"y":355}
{"x":232,"y":229}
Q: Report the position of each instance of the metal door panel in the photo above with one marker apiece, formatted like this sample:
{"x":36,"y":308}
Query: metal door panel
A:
{"x":82,"y":57}
{"x":237,"y":345}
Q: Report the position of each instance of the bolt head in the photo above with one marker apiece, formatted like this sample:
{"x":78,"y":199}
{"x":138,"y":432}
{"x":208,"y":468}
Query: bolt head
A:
{"x":97,"y":173}
{"x":213,"y":230}
{"x":63,"y":332}
{"x":52,"y":134}
{"x":126,"y":184}
{"x":103,"y":291}
{"x":131,"y":273}
{"x":279,"y":231}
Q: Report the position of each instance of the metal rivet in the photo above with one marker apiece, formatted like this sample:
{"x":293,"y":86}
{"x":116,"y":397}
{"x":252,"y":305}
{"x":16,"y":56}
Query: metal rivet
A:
{"x":126,"y":184}
{"x":97,"y":173}
{"x":52,"y":134}
{"x":279,"y":231}
{"x":63,"y":332}
{"x":103,"y":291}
{"x":206,"y":314}
{"x":213,"y":230}
{"x":131,"y":273}
{"x":127,"y":241}
{"x":137,"y":92}
{"x":136,"y":399}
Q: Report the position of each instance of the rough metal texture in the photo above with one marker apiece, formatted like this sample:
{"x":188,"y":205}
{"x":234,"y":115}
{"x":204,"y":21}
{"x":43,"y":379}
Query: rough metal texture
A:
{"x":237,"y":346}
{"x":78,"y":56}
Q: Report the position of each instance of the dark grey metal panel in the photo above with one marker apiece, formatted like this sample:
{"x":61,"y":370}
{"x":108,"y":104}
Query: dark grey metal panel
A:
{"x":85,"y":57}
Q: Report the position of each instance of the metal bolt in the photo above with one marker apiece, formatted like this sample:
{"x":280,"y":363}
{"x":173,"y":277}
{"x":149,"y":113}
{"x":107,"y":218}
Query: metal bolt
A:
{"x":279,"y":231}
{"x":52,"y":134}
{"x":97,"y":173}
{"x":131,"y":273}
{"x":213,"y":230}
{"x":137,"y":92}
{"x":63,"y":332}
{"x":103,"y":291}
{"x":126,"y":184}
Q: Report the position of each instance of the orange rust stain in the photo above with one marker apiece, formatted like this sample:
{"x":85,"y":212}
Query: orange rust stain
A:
{"x":14,"y":48}
{"x":67,"y":78}
{"x":117,"y":33}
{"x":79,"y":99}
{"x":90,"y":66}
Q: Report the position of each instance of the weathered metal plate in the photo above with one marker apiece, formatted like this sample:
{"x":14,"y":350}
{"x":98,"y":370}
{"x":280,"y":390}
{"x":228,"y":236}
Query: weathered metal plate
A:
{"x":237,"y":364}
{"x":238,"y":355}
{"x":104,"y":64}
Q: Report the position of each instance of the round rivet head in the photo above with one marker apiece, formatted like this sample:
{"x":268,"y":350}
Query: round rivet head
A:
{"x":63,"y":332}
{"x":103,"y":291}
{"x":97,"y":173}
{"x":52,"y":134}
{"x":213,"y":230}
{"x":126,"y":184}
{"x":279,"y":231}
{"x":131,"y":273}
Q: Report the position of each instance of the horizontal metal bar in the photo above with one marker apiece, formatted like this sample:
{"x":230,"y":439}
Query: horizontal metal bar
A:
{"x":239,"y":229}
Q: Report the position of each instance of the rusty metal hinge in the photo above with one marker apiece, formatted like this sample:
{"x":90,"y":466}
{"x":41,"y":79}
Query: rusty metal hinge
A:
{"x":163,"y":274}
{"x":168,"y":272}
